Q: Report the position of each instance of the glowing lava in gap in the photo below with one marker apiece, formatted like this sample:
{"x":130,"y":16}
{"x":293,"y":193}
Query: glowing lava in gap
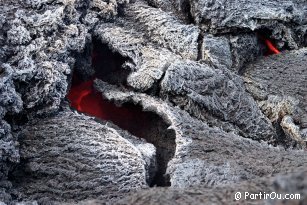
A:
{"x":84,"y":98}
{"x":272,"y":49}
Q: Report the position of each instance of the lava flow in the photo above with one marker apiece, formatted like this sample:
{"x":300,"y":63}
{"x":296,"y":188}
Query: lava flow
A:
{"x":84,"y":98}
{"x":271,"y":48}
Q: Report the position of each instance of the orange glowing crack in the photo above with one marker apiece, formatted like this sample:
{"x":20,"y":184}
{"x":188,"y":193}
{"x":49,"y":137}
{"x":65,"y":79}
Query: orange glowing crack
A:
{"x":271,"y":47}
{"x":84,"y":98}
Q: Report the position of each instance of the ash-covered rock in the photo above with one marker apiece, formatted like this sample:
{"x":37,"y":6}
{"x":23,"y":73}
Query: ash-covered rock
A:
{"x":281,"y":17}
{"x":201,"y":150}
{"x":165,"y":29}
{"x":182,"y":54}
{"x":217,"y":51}
{"x":10,"y":103}
{"x":70,"y":157}
{"x":282,"y":184}
{"x":231,"y":51}
{"x":284,"y":21}
{"x":148,"y":63}
{"x":279,"y":84}
{"x":204,"y":91}
{"x":37,"y":39}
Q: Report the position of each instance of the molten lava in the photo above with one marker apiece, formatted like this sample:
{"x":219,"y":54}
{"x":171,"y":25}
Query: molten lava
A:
{"x":271,"y":48}
{"x":84,"y":98}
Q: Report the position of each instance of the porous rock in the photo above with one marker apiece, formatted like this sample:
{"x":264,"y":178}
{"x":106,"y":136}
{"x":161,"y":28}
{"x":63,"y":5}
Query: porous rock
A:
{"x":229,"y":16}
{"x":278,"y":83}
{"x":147,"y":62}
{"x":10,"y":102}
{"x":282,"y":184}
{"x":201,"y":151}
{"x":230,"y":51}
{"x":38,"y":43}
{"x":70,"y":157}
{"x":201,"y":90}
{"x":165,"y":29}
{"x":217,"y":51}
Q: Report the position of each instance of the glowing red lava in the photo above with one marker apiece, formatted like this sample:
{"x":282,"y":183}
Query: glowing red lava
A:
{"x":271,"y":48}
{"x":84,"y":98}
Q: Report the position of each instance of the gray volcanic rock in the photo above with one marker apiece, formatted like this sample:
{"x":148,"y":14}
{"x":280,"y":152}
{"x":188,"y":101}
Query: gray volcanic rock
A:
{"x":231,"y":51}
{"x":70,"y":157}
{"x":279,"y":83}
{"x":149,"y":65}
{"x":246,"y":13}
{"x":206,"y":155}
{"x":282,"y":184}
{"x":217,"y":50}
{"x":285,"y":21}
{"x":165,"y":29}
{"x":245,"y":48}
{"x":178,"y":61}
{"x":151,"y":40}
{"x":10,"y":103}
{"x":147,"y":62}
{"x":36,"y":41}
{"x":227,"y":15}
{"x":203,"y":91}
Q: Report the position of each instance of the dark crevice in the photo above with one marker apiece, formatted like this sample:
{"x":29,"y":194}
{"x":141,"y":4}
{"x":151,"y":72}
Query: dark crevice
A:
{"x":200,"y":44}
{"x":82,"y":67}
{"x":108,"y":66}
{"x":82,"y":8}
{"x":265,"y":34}
{"x":155,"y":90}
{"x":282,"y":138}
{"x":186,"y":9}
{"x":152,"y":128}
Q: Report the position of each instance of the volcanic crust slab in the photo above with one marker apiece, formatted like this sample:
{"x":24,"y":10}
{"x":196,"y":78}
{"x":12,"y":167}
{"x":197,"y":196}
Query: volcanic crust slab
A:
{"x":214,"y":114}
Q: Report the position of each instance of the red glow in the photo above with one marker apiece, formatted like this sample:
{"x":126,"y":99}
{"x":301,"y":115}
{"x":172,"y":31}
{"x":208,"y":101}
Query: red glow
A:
{"x":84,"y":98}
{"x":271,"y":47}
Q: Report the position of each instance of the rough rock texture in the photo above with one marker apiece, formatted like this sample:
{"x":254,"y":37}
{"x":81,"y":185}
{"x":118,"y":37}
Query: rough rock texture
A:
{"x":282,"y":184}
{"x":147,"y":62}
{"x":217,"y":50}
{"x":166,"y":30}
{"x":245,"y":48}
{"x":179,"y":61}
{"x":70,"y":157}
{"x":38,"y":42}
{"x":279,"y":84}
{"x":11,"y":103}
{"x":208,"y":156}
{"x":203,"y":91}
{"x":282,"y":18}
{"x":35,"y":51}
{"x":231,"y":51}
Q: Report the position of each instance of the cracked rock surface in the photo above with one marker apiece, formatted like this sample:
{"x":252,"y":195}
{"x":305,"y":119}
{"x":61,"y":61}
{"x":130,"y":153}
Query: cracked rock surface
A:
{"x":279,"y":84}
{"x":222,"y":115}
{"x":201,"y":151}
{"x":296,"y":184}
{"x":70,"y":157}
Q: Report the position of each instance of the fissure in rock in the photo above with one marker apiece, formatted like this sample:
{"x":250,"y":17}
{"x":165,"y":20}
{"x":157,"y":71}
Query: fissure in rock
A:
{"x":147,"y":125}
